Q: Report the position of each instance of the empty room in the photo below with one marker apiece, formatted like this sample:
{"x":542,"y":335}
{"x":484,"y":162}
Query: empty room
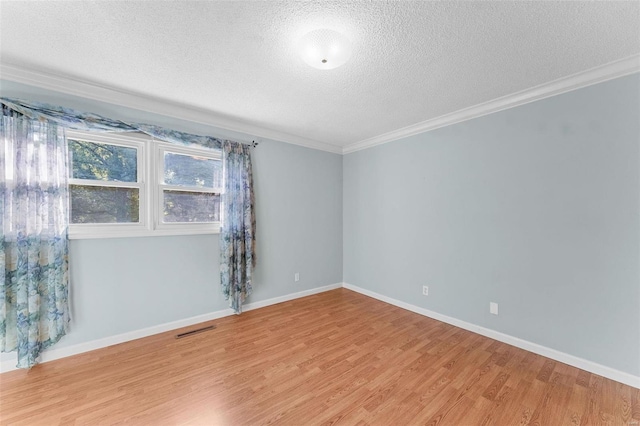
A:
{"x":320,"y":212}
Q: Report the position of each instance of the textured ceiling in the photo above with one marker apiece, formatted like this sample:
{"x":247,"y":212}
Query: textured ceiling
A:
{"x":412,"y":61}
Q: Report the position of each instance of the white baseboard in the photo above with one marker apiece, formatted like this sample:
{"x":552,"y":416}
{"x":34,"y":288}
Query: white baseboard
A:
{"x":590,"y":366}
{"x":57,"y":353}
{"x":287,"y":297}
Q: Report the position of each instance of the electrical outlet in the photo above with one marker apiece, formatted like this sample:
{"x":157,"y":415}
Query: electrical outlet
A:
{"x":425,"y":290}
{"x":493,"y":308}
{"x":296,"y":277}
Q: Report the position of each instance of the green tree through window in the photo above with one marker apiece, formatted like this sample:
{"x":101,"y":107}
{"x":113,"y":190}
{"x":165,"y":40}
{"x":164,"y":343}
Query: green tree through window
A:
{"x":191,"y":171}
{"x":109,"y":163}
{"x":122,"y":185}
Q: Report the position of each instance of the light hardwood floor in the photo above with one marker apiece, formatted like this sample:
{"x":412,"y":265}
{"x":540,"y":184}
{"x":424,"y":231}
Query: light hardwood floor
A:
{"x":336,"y":357}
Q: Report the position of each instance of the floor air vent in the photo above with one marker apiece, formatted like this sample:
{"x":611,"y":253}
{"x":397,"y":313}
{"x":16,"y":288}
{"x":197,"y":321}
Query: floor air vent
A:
{"x":192,"y":332}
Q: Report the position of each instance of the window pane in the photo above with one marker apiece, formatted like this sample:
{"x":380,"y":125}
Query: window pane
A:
{"x":96,"y":204}
{"x":184,"y":206}
{"x":188,"y":170}
{"x":100,"y":161}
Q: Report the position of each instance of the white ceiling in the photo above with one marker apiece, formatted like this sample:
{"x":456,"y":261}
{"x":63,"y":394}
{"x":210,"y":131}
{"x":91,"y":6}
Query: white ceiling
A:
{"x":236,"y":62}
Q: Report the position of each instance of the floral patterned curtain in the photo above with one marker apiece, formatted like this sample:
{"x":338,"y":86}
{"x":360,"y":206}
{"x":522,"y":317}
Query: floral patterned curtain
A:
{"x":34,"y":310}
{"x":237,"y":236}
{"x":72,"y":119}
{"x":238,"y":230}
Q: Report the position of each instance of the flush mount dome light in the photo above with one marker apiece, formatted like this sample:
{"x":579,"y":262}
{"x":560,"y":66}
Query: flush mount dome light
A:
{"x":325,"y":49}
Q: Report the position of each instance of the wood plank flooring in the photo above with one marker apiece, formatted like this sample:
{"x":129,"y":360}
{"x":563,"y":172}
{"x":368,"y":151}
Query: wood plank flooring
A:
{"x":333,"y":358}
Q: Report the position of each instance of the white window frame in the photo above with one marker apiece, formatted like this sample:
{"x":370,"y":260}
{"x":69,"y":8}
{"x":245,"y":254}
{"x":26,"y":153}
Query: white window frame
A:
{"x":107,"y":230}
{"x":180,"y":228}
{"x":150,"y":183}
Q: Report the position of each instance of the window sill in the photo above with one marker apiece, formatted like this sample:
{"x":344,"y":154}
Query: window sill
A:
{"x":133,"y":233}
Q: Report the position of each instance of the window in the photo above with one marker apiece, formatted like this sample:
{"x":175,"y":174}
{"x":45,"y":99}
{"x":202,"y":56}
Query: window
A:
{"x":128,"y":185}
{"x":104,"y":183}
{"x":189,"y":185}
{"x":107,"y":191}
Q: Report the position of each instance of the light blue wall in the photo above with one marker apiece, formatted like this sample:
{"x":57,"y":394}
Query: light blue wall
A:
{"x":125,"y":284}
{"x":536,"y":208}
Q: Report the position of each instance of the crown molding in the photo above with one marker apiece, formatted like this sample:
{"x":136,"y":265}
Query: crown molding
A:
{"x":86,"y":89}
{"x":129,"y":99}
{"x":609,"y":71}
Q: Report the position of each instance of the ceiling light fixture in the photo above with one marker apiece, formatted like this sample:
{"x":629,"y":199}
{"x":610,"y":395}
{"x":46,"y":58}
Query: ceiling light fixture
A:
{"x":325,"y":49}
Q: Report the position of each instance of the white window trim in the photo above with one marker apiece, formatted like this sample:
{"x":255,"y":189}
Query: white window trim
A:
{"x":150,"y":174}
